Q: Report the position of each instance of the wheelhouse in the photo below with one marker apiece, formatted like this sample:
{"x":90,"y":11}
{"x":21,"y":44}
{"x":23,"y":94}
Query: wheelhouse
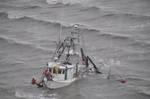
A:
{"x":61,"y":72}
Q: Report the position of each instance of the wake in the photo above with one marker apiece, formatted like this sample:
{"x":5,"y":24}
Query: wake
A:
{"x":35,"y":95}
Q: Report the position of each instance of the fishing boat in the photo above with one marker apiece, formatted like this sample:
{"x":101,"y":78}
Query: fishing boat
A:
{"x":68,"y":63}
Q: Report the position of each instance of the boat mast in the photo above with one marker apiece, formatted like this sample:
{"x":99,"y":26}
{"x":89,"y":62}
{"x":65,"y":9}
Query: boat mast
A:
{"x":61,"y":16}
{"x":60,"y":33}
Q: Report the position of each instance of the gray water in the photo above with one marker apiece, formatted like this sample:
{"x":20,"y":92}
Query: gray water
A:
{"x":116,"y":34}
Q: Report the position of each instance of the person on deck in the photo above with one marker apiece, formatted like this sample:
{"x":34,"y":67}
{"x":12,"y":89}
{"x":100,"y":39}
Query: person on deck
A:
{"x":47,"y":74}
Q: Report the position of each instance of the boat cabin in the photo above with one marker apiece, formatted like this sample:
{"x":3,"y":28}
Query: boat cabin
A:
{"x":61,"y":72}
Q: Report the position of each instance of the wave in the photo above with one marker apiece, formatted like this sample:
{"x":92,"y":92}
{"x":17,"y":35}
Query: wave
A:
{"x":6,"y":6}
{"x":126,"y":15}
{"x":145,"y":91}
{"x":31,"y":7}
{"x":56,"y":23}
{"x":34,"y":94}
{"x":141,"y":90}
{"x":3,"y":15}
{"x":92,"y":8}
{"x":111,"y":14}
{"x":138,"y":78}
{"x":132,"y":42}
{"x":17,"y":44}
{"x":140,"y":84}
{"x":115,"y":36}
{"x":66,"y":1}
{"x":88,"y":6}
{"x":14,"y":44}
{"x":3,"y":39}
{"x":4,"y":0}
{"x":141,"y":44}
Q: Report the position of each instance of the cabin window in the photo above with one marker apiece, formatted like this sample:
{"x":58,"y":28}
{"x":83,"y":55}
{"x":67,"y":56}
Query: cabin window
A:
{"x":50,"y":69}
{"x":55,"y":71}
{"x":58,"y":71}
{"x":63,"y":71}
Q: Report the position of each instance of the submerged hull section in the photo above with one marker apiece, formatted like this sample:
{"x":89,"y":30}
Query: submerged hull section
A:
{"x":59,"y":84}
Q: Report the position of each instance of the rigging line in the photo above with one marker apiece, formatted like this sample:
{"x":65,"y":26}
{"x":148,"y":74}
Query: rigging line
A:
{"x":61,"y":17}
{"x":83,"y":43}
{"x":59,"y":43}
{"x":60,"y":31}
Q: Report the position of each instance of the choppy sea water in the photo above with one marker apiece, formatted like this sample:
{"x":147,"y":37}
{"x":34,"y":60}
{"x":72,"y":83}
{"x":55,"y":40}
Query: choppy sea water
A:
{"x":116,"y":34}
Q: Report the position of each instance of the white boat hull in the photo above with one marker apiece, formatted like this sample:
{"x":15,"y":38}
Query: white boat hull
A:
{"x":59,"y":84}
